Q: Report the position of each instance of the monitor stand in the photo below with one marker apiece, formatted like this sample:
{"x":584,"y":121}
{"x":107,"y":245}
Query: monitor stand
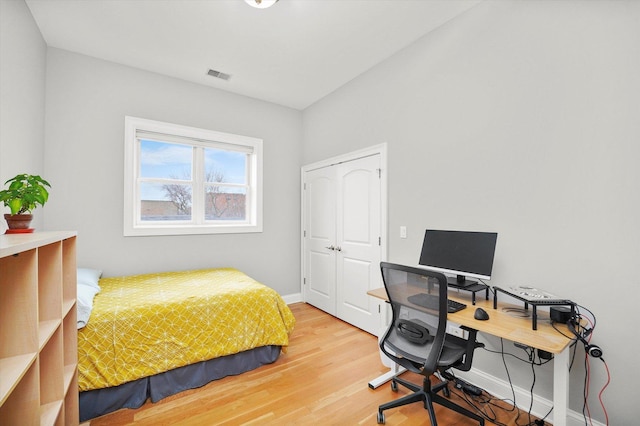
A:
{"x":460,"y":281}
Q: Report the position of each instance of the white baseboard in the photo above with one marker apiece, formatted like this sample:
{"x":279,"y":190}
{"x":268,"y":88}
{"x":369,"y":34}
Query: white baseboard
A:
{"x":292,"y":298}
{"x":501,"y":389}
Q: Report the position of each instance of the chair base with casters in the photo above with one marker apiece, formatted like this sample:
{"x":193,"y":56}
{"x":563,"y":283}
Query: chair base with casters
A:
{"x":429,"y":395}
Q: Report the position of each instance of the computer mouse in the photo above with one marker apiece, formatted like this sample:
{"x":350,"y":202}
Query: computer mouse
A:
{"x":481,"y":314}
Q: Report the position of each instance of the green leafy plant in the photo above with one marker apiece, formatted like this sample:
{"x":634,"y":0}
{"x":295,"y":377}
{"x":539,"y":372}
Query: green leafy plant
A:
{"x":25,"y":193}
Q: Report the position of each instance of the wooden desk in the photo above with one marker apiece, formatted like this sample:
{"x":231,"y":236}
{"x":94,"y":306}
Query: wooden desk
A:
{"x":507,"y":326}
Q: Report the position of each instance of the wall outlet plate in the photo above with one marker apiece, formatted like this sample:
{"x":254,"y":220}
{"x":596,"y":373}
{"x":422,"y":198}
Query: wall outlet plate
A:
{"x":456,"y":331}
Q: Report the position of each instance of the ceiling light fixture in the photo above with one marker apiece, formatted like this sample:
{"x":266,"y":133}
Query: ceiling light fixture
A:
{"x":261,"y":4}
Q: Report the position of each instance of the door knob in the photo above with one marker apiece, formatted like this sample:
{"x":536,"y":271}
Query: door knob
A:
{"x":339,"y":248}
{"x":331,"y":247}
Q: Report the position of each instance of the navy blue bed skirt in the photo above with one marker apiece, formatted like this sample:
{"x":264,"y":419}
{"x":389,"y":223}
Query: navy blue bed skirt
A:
{"x":98,"y":402}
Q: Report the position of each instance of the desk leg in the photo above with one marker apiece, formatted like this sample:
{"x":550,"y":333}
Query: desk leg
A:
{"x":561,"y":388}
{"x":381,"y":380}
{"x":395,"y":369}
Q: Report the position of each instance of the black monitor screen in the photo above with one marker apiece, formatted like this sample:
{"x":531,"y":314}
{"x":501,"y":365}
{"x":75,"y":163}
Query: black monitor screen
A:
{"x":459,"y":252}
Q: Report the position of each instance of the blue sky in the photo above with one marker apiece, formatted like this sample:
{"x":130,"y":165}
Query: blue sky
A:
{"x":171,"y":160}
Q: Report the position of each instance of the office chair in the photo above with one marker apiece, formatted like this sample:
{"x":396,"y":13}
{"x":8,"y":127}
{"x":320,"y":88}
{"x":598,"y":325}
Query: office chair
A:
{"x":417,"y":338}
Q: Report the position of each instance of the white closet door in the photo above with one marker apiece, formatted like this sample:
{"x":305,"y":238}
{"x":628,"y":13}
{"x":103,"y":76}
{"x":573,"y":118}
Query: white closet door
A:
{"x":320,"y":239}
{"x":342,"y":247}
{"x":358,"y":241}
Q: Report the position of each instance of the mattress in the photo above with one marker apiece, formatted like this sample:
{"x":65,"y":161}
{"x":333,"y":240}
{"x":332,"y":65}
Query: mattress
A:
{"x":147,"y":324}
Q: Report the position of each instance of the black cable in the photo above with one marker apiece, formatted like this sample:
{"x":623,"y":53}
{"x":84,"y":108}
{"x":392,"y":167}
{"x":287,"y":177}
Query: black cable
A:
{"x":531,"y":392}
{"x":486,"y":410}
{"x":489,"y":404}
{"x":546,"y":415}
{"x":506,"y":368}
{"x":572,"y":345}
{"x":513,"y":391}
{"x":582,"y":334}
{"x":540,"y":361}
{"x":581,"y":329}
{"x":553,"y":324}
{"x":472,"y":403}
{"x":506,"y":353}
{"x":584,"y":389}
{"x":531,"y":352}
{"x":533,"y":383}
{"x":593,"y":326}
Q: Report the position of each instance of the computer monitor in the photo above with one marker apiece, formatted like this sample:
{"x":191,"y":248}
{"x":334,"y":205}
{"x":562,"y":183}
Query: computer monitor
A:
{"x":462,"y":253}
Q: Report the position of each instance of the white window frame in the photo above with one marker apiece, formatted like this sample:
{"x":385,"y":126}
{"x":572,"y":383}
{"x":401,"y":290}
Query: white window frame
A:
{"x":134,"y":226}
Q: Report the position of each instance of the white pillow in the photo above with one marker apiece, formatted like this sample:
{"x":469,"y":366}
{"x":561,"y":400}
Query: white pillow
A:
{"x":87,"y":289}
{"x":89,"y":277}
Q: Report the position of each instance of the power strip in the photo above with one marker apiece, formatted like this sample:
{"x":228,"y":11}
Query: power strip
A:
{"x":472,"y":390}
{"x":468,"y":388}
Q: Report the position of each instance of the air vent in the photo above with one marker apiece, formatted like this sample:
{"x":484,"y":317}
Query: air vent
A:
{"x":218,"y":74}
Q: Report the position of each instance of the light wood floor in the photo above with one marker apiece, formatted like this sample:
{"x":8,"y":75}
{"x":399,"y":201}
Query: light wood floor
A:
{"x":322,"y":379}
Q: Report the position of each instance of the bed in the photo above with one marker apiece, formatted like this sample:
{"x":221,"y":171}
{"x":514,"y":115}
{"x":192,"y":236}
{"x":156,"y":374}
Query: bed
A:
{"x":150,"y":336}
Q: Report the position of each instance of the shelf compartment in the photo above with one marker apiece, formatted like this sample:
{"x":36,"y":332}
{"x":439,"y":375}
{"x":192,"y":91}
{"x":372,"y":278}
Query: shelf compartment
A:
{"x":22,"y":405}
{"x":69,"y":269}
{"x":50,"y":413}
{"x":46,"y":330}
{"x":18,"y":304}
{"x":70,"y":333}
{"x":69,"y":375}
{"x":71,"y":404}
{"x":12,"y":370}
{"x":52,"y":370}
{"x":50,"y":281}
{"x":67,"y":306}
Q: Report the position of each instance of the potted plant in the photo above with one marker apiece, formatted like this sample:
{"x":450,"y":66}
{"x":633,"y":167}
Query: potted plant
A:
{"x":23,"y":194}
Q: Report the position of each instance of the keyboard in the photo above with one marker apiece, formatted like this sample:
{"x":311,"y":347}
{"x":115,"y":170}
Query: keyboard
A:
{"x":454,"y":306}
{"x":430,"y":301}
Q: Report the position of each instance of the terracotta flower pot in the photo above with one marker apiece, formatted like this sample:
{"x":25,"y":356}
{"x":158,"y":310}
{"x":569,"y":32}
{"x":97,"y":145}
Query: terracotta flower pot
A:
{"x":18,"y":222}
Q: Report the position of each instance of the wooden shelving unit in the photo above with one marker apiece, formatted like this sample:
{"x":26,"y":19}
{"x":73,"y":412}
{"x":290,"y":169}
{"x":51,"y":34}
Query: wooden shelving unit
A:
{"x":38,"y":332}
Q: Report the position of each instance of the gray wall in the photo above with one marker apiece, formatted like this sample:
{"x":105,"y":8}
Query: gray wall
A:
{"x":22,"y":80}
{"x":521,"y":118}
{"x":86,"y":102}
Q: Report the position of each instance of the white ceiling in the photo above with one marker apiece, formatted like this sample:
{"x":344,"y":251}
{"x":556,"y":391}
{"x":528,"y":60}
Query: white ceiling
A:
{"x":292,"y":54}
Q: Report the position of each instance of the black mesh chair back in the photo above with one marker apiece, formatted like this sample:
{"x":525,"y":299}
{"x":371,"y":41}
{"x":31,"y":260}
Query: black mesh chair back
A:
{"x":417,"y":339}
{"x":418,"y":300}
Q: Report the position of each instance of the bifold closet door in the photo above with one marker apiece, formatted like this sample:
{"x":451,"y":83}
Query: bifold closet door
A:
{"x":320,"y":238}
{"x":343,"y":240}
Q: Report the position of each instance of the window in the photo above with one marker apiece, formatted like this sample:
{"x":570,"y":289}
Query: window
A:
{"x":183,"y":180}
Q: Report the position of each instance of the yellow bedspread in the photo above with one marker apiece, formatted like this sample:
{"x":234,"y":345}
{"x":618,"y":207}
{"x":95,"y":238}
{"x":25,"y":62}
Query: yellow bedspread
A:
{"x":147,"y":324}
